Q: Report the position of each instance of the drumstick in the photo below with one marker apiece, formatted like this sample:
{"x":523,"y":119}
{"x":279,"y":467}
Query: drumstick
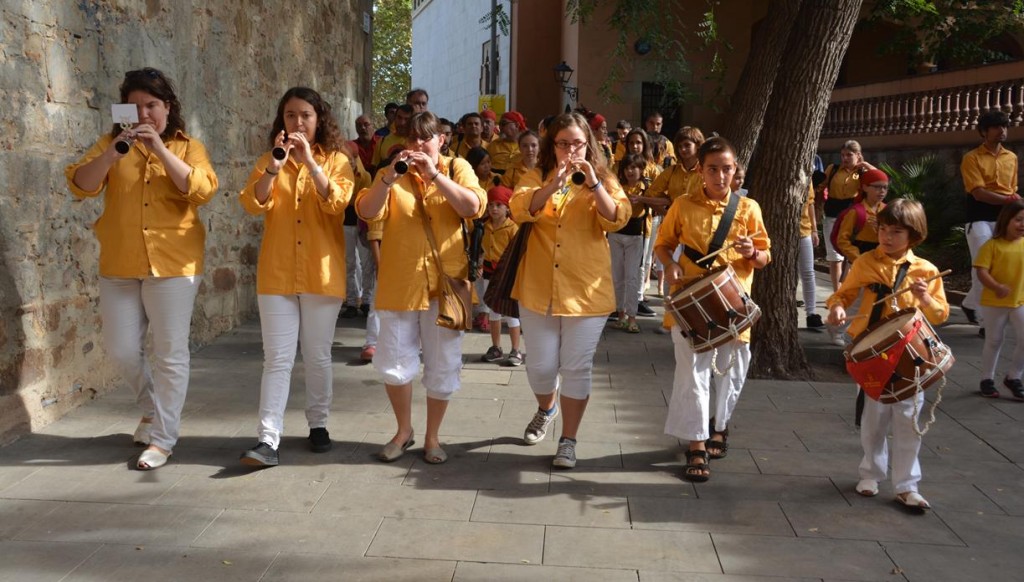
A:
{"x":907,"y":288}
{"x":723,"y":249}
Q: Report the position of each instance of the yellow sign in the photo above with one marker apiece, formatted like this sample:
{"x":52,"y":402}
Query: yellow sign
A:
{"x":495,"y":103}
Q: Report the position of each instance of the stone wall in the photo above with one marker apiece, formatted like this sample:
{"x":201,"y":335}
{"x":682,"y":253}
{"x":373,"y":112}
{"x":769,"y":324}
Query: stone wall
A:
{"x":61,"y":62}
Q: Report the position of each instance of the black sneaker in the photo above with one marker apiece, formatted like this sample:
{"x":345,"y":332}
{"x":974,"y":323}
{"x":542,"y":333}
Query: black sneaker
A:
{"x":319,"y":440}
{"x":988,"y":389}
{"x":262,"y":455}
{"x":493,"y":355}
{"x":365,"y":309}
{"x":645,"y":310}
{"x":350,"y":312}
{"x":972,"y":317}
{"x":1016,"y":387}
{"x":814,"y":321}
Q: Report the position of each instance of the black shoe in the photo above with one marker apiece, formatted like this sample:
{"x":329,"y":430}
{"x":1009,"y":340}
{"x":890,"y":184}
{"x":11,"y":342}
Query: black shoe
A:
{"x":814,"y":321}
{"x":262,"y":455}
{"x":1016,"y":387}
{"x":988,"y":389}
{"x":365,"y":309}
{"x":971,"y":316}
{"x":645,"y":310}
{"x":350,"y":312}
{"x":614,"y":316}
{"x":319,"y":440}
{"x":981,"y":333}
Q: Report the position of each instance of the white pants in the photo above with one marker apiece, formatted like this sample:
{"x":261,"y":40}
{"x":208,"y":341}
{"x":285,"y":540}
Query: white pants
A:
{"x":874,"y":426}
{"x":128,"y":307}
{"x":480,"y":286}
{"x":372,"y":327}
{"x":286,"y":320}
{"x":689,"y":409}
{"x":807,"y":284}
{"x":831,"y":254}
{"x":648,"y":260}
{"x":996,"y":319}
{"x":360,"y":270}
{"x":561,"y":352}
{"x":627,"y":259}
{"x":493,"y":315}
{"x":402,"y":335}
{"x":978,"y":233}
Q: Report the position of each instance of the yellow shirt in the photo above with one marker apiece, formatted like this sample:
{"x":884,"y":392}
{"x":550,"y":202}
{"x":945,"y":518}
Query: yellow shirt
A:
{"x":380,"y":152}
{"x":375,"y":230}
{"x":497,"y":239}
{"x":866,"y":234}
{"x":844,"y":184}
{"x":148,"y":227}
{"x":692,"y":221}
{"x":1005,"y":262}
{"x":490,"y":181}
{"x":464,"y":147}
{"x":513,"y":175}
{"x":805,"y":215}
{"x":878,"y":267}
{"x":668,"y":152}
{"x":567,"y":265}
{"x":675,"y":182}
{"x":303,"y":248}
{"x":504,"y":154}
{"x":620,"y":151}
{"x":981,"y":168}
{"x":407,"y":276}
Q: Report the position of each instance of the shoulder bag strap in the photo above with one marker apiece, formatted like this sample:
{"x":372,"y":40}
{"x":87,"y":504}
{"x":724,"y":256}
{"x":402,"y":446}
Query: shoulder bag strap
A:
{"x":426,"y":225}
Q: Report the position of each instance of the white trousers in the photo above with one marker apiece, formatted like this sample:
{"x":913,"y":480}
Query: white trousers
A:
{"x":402,"y":335}
{"x":627,"y":259}
{"x":130,"y":307}
{"x":561,"y":352}
{"x":286,"y":320}
{"x":494,"y":316}
{"x":480,"y":286}
{"x":996,"y":319}
{"x":875,"y":423}
{"x":360,"y":270}
{"x":689,"y":409}
{"x":831,"y":254}
{"x":648,"y":260}
{"x":978,"y":233}
{"x":807,"y":283}
{"x":372,"y":326}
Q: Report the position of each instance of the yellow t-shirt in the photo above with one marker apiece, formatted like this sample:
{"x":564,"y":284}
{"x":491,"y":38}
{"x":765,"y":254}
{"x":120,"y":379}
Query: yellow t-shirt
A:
{"x":513,"y":175}
{"x":878,"y":267}
{"x":303,"y":247}
{"x":981,"y":168}
{"x":380,"y":152}
{"x":463,"y":147}
{"x":844,"y":184}
{"x":567,"y":265}
{"x":675,"y":182}
{"x":148,"y":227}
{"x":504,"y":154}
{"x":1005,"y":262}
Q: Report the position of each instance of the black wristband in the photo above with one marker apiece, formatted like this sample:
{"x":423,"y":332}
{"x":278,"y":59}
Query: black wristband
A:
{"x":267,"y":171}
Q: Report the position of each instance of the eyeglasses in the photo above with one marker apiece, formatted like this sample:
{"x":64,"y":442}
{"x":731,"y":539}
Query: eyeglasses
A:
{"x":565,"y":145}
{"x":879,"y":186}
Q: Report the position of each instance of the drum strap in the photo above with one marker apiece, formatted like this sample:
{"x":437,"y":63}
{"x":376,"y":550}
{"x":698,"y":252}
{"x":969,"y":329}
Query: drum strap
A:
{"x":719,"y":237}
{"x":876,"y":314}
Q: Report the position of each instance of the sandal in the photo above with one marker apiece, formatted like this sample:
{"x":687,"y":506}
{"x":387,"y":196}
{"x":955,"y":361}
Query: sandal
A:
{"x":435,"y":456}
{"x":632,"y":328}
{"x":394,"y":451}
{"x":151,"y":459}
{"x":717,"y":449}
{"x":913,"y":500}
{"x":696,"y":472}
{"x":867,"y":487}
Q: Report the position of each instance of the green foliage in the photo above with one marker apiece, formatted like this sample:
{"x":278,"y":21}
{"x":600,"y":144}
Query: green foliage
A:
{"x":500,"y":18}
{"x":392,"y":54}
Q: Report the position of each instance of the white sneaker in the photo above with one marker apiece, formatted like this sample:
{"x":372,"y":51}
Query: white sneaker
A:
{"x":565,"y":458}
{"x":538,"y":427}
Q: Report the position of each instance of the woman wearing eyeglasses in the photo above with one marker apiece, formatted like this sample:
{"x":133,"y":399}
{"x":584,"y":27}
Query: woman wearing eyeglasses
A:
{"x":564,"y":282}
{"x":151,"y":250}
{"x":447,"y":191}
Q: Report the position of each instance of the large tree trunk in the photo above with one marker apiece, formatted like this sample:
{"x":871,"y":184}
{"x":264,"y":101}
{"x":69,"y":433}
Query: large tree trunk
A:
{"x":792,"y":125}
{"x":750,"y":99}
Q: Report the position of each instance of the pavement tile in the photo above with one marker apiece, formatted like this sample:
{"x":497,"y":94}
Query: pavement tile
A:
{"x":775,"y":438}
{"x":924,"y":563}
{"x":654,"y":482}
{"x":347,"y":535}
{"x":746,"y":517}
{"x":41,"y":561}
{"x":554,"y":509}
{"x":114,"y":523}
{"x":1009,"y":498}
{"x":293,"y":567}
{"x":802,"y":557}
{"x":475,"y":572}
{"x":78,"y":484}
{"x":739,"y":486}
{"x":843,"y":440}
{"x":244,"y":491}
{"x":473,"y":475}
{"x":938,"y":469}
{"x":588,"y":454}
{"x":881,"y":522}
{"x":106,"y":452}
{"x":648,"y":576}
{"x":131,"y":563}
{"x":466,"y":541}
{"x":18,"y":514}
{"x":395,"y":500}
{"x":632,"y":549}
{"x":497,"y":376}
{"x":807,"y":464}
{"x":987,"y":532}
{"x":9,"y":475}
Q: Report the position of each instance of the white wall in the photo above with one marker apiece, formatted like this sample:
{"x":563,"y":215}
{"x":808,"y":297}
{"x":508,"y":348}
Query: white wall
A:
{"x":447,"y":44}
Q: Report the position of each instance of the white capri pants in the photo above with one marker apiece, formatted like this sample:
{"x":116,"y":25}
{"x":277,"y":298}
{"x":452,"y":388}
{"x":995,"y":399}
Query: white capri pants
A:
{"x":402,"y":334}
{"x":874,"y":426}
{"x":627,"y":260}
{"x":689,"y":409}
{"x":996,"y":319}
{"x":130,"y":307}
{"x":286,"y":320}
{"x":561,"y":352}
{"x":807,"y":282}
{"x":493,"y":315}
{"x":978,"y":233}
{"x":831,"y":254}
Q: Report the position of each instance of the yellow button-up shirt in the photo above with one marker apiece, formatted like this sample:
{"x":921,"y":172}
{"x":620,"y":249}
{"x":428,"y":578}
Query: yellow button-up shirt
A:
{"x":1005,"y":262}
{"x":512,"y":176}
{"x":868,"y":233}
{"x":675,"y":182}
{"x":384,"y":146}
{"x":567,"y":265}
{"x":496,"y":239}
{"x":878,"y":267}
{"x":805,"y":215}
{"x":148,"y":227}
{"x":407,"y":276}
{"x":844,"y":185}
{"x":463,"y":147}
{"x":504,"y":154}
{"x":303,"y":248}
{"x":981,"y":168}
{"x":692,"y":221}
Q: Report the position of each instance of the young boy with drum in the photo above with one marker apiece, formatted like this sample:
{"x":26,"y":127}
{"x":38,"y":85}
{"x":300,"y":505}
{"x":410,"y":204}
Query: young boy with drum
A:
{"x":710,"y":217}
{"x":901,"y":226}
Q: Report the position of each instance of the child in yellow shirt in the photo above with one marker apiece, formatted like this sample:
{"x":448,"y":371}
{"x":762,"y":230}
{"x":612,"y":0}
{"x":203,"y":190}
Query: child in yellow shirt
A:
{"x":499,"y":230}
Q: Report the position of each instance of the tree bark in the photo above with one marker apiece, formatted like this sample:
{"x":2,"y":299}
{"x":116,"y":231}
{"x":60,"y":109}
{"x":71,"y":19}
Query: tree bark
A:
{"x":792,"y":125}
{"x":750,"y":99}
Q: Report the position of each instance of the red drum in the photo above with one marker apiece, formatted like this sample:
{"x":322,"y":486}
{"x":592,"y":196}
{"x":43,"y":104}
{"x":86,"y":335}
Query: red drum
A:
{"x":898,"y":356}
{"x":713,"y":309}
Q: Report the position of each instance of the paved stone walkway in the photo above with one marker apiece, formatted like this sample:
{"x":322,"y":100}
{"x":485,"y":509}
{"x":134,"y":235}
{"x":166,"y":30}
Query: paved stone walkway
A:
{"x":780,"y":506}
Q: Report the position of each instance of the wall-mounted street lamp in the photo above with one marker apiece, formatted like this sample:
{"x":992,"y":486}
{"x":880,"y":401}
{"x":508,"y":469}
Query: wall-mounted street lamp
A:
{"x":563,"y":73}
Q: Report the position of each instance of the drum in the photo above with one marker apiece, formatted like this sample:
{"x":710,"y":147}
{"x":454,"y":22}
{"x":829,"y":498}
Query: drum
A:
{"x":713,"y":309}
{"x":898,"y":356}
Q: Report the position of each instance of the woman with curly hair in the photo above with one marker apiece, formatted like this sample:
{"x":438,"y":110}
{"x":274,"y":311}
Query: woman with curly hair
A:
{"x":301,"y":187}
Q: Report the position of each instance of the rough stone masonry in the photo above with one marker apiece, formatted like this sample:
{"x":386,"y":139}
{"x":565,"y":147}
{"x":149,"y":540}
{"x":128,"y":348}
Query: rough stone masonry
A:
{"x":61,"y":62}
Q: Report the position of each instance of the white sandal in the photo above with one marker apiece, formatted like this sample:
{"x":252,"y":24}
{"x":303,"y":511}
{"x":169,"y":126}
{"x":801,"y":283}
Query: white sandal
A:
{"x":913,"y":500}
{"x":143,"y":433}
{"x":151,"y":459}
{"x":867,"y":487}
